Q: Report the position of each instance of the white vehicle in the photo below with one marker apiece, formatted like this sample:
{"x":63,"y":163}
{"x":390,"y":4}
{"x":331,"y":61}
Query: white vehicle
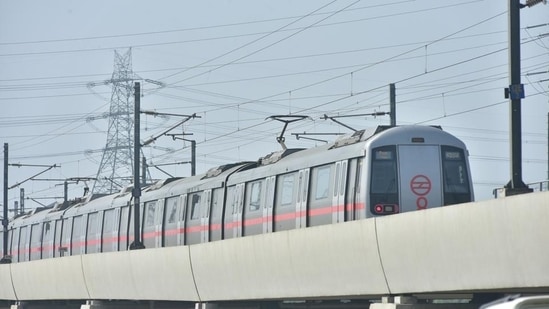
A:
{"x":517,"y":302}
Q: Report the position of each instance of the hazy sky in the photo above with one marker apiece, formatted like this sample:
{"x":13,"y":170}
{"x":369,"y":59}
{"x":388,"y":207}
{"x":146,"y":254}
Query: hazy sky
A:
{"x":235,"y":63}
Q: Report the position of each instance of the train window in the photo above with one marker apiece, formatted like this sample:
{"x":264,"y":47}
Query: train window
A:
{"x":48,"y":231}
{"x":108,"y":221}
{"x":455,"y":176}
{"x":76,"y":227}
{"x":36,"y":235}
{"x":171,"y":209}
{"x":217,"y":202}
{"x":322,"y":177}
{"x":286,"y":185}
{"x":254,"y":195}
{"x":92,"y":224}
{"x":47,"y":239}
{"x":150,"y":210}
{"x":384,"y":171}
{"x":384,"y":176}
{"x":194,"y":202}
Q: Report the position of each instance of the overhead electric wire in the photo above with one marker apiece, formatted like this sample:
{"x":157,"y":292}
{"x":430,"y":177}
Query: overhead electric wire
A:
{"x":57,"y":85}
{"x":191,"y":28}
{"x":257,"y":40}
{"x":445,"y":67}
{"x":308,"y":56}
{"x":216,"y":38}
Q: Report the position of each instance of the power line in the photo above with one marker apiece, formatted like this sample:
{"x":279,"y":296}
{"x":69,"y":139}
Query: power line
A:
{"x":192,"y":28}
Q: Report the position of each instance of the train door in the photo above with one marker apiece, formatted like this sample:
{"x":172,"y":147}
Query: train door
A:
{"x":230,"y":208}
{"x":152,"y":225}
{"x":23,"y":244}
{"x":131,"y":227}
{"x":338,"y":198}
{"x":420,"y":177}
{"x":109,"y":239}
{"x":57,"y":237}
{"x":237,"y":211}
{"x":93,"y":233}
{"x":205,"y":220}
{"x":148,"y":224}
{"x":182,"y":221}
{"x":216,"y":214}
{"x":14,"y":244}
{"x":23,"y":249}
{"x":171,"y":223}
{"x":123,"y":228}
{"x":158,"y":223}
{"x":301,"y":203}
{"x":35,"y":248}
{"x":66,"y":243}
{"x":254,"y":202}
{"x":268,"y":205}
{"x":47,"y":239}
{"x":79,"y":234}
{"x":193,"y":231}
{"x":352,"y":197}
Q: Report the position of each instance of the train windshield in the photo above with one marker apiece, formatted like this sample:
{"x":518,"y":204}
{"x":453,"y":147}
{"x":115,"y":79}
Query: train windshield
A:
{"x":384,"y":184}
{"x":456,"y":178}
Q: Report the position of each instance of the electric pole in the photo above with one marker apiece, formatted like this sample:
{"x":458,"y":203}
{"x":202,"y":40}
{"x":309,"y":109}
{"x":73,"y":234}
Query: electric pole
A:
{"x":515,"y":93}
{"x":5,"y":259}
{"x":136,"y":192}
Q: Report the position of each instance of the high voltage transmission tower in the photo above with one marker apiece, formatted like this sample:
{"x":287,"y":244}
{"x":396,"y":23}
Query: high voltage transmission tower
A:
{"x":116,"y":167}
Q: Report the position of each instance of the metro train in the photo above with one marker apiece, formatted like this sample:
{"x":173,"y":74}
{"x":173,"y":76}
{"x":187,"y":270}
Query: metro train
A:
{"x":382,"y":171}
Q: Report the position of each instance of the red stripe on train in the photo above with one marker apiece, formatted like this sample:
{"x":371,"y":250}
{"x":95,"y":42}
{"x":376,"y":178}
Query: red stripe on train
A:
{"x":200,"y":228}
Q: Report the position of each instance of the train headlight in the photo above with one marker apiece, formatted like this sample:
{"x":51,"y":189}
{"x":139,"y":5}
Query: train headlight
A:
{"x":386,"y":209}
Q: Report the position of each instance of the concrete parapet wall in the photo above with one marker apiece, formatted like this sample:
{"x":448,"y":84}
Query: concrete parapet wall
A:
{"x":497,"y":244}
{"x":493,"y":245}
{"x":331,"y":260}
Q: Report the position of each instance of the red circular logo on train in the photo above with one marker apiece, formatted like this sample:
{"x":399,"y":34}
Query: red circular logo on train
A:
{"x":420,"y":185}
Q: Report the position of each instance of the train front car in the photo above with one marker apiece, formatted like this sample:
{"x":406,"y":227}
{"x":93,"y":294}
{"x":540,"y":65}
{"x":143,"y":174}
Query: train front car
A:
{"x":415,"y":168}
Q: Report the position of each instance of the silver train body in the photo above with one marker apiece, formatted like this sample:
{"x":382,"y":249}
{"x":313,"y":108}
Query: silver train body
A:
{"x":384,"y":171}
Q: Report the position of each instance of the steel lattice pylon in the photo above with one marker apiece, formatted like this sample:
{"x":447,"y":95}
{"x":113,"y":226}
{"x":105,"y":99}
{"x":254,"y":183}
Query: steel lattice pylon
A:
{"x":116,"y":167}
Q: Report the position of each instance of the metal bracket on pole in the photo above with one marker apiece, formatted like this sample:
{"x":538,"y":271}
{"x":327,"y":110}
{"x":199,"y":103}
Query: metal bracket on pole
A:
{"x":193,"y":149}
{"x":286,"y":119}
